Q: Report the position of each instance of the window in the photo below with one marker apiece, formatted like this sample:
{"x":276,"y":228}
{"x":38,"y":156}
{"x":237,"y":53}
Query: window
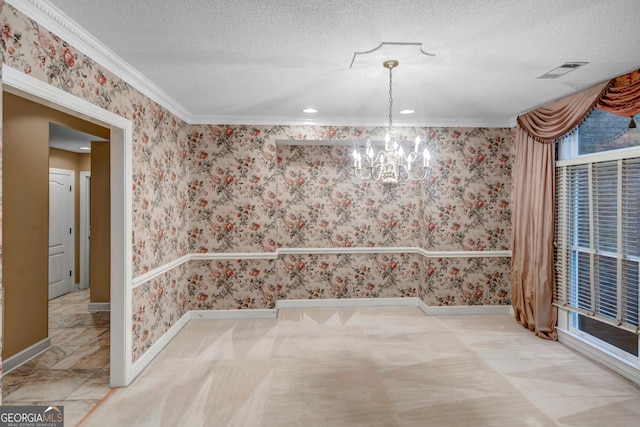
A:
{"x":597,"y":254}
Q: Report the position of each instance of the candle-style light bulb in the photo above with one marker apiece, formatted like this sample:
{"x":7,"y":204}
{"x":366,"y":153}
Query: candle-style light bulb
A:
{"x":427,"y":156}
{"x":417,"y":143}
{"x":370,"y":153}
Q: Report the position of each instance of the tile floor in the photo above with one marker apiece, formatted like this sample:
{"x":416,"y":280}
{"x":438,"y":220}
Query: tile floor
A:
{"x":369,"y":367}
{"x":74,"y":373}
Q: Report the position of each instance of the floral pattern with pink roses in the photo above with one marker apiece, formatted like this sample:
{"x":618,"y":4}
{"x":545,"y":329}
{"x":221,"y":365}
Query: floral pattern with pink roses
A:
{"x":466,"y":281}
{"x":222,"y":189}
{"x":157,"y":306}
{"x":321,"y":204}
{"x":232,"y":193}
{"x":232,"y":284}
{"x":468,"y":197}
{"x":315,"y":276}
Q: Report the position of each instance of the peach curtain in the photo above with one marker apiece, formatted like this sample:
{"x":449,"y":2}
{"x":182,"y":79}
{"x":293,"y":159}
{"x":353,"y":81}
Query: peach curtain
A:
{"x":532,"y":271}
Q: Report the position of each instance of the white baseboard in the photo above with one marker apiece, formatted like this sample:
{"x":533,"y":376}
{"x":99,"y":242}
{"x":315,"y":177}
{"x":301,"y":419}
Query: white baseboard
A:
{"x":608,"y":360}
{"x":398,"y":302}
{"x":233,"y":314}
{"x":466,"y":310}
{"x":146,"y":358}
{"x":25,"y":355}
{"x":348,"y":302}
{"x":99,"y":306}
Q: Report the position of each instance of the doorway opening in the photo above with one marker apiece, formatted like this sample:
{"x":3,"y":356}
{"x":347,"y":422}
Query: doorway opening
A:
{"x":72,"y":154}
{"x":17,"y":83}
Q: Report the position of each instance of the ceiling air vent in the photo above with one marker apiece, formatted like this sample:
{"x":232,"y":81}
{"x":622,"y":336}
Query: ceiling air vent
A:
{"x":563,"y":69}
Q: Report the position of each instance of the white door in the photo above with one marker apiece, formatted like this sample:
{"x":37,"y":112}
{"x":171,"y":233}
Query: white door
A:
{"x":60,"y":232}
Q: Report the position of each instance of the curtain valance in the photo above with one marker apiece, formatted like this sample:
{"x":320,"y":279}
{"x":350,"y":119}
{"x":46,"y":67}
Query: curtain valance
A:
{"x":622,"y":96}
{"x":551,"y":122}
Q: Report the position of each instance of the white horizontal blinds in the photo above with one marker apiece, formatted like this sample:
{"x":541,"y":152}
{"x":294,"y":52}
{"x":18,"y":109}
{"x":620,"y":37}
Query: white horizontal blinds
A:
{"x":597,"y":252}
{"x":580,"y":235}
{"x":605,"y":235}
{"x":572,"y":252}
{"x":630,"y":247}
{"x":562,"y":251}
{"x":630,"y":293}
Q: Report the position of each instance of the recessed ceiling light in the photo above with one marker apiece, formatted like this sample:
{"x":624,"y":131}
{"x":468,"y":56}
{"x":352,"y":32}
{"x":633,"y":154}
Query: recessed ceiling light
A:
{"x":86,"y":148}
{"x":407,"y":111}
{"x":310,"y":110}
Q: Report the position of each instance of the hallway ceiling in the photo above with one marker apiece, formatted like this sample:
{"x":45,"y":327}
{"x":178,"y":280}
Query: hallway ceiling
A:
{"x":68,"y":139}
{"x":263,"y":62}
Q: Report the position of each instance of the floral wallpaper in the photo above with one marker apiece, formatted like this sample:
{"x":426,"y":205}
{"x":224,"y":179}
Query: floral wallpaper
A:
{"x":315,"y":276}
{"x":467,"y":203}
{"x":231,"y":190}
{"x":157,"y":306}
{"x":466,"y":281}
{"x":232,"y":284}
{"x":238,"y":189}
{"x":308,"y":198}
{"x":321,"y":204}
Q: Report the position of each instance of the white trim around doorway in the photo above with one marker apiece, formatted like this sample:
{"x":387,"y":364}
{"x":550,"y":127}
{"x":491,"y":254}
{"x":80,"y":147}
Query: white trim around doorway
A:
{"x":18,"y":83}
{"x":85,"y":195}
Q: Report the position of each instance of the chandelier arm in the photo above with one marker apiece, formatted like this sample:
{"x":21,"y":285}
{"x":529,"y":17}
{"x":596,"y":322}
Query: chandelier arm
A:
{"x":376,"y":172}
{"x":358,"y":174}
{"x":420,"y":177}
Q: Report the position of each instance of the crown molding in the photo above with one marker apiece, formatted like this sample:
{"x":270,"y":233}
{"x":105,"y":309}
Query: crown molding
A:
{"x":204,"y":119}
{"x":56,"y":21}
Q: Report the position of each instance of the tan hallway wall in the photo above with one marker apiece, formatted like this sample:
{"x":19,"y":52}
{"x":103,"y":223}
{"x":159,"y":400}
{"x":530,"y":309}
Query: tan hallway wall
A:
{"x":25,"y":211}
{"x":100,"y":275}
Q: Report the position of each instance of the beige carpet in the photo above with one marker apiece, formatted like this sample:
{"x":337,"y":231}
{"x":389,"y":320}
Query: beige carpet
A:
{"x":369,"y":367}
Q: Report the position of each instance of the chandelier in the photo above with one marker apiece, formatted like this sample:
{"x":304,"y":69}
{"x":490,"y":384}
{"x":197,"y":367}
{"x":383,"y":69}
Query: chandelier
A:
{"x":391,"y":165}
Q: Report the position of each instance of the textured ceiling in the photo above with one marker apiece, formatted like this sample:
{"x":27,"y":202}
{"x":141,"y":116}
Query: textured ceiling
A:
{"x":263,"y":62}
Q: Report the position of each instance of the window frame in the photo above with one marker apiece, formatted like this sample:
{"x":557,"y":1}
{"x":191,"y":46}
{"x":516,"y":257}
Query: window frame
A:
{"x":568,"y":316}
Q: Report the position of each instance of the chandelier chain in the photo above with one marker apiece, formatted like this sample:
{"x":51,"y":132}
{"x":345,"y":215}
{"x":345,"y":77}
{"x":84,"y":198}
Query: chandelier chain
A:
{"x":390,"y":99}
